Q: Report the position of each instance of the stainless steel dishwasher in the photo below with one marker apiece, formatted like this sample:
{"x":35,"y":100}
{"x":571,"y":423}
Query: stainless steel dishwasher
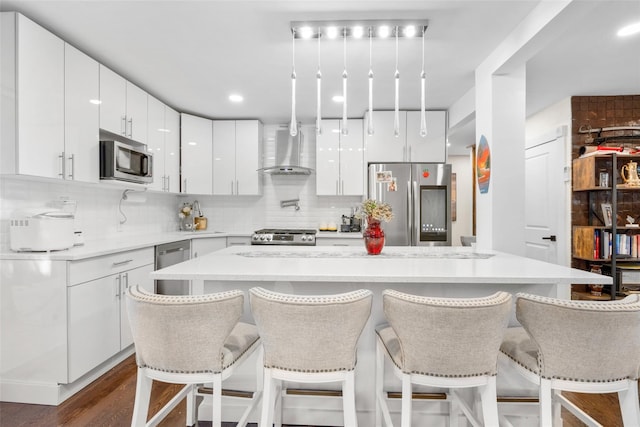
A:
{"x":170,"y":254}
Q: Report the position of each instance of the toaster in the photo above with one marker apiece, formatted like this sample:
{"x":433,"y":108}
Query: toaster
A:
{"x":41,"y":229}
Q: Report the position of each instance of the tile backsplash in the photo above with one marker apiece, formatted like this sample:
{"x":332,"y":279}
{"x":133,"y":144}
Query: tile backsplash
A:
{"x":98,"y":206}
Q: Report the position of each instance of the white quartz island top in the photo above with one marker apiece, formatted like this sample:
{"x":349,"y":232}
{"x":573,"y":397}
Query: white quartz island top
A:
{"x":395,"y":264}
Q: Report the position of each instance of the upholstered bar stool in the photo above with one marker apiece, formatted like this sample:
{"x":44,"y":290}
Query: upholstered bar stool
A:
{"x":309,"y":339}
{"x":579,"y":346}
{"x":188,"y":340}
{"x":449,"y":343}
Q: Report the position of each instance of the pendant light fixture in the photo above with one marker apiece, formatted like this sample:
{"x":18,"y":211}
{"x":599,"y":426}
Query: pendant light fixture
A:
{"x":293,"y":127}
{"x":370,"y":122}
{"x":319,"y":92}
{"x":345,"y":129}
{"x":396,"y":120}
{"x":423,"y":77}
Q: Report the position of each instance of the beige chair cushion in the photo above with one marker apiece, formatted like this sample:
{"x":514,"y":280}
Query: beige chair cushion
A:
{"x":310,"y":333}
{"x":448,"y":337}
{"x":188,"y":334}
{"x":577,"y":340}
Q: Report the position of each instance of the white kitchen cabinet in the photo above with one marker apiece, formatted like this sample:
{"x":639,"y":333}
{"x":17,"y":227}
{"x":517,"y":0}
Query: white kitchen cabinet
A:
{"x":238,"y":241}
{"x":123,"y":107}
{"x":163,"y":140}
{"x":98,"y":326}
{"x":81,"y":116}
{"x":32,"y":109}
{"x":340,"y":159}
{"x":409,"y":146}
{"x":236,"y":157}
{"x":383,"y":146}
{"x":172,"y":149}
{"x":205,"y":246}
{"x":433,"y":147}
{"x":196,"y":145}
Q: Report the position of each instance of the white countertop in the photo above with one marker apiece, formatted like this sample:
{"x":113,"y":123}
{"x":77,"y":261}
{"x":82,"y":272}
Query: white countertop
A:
{"x":109,"y":245}
{"x":352,"y":264}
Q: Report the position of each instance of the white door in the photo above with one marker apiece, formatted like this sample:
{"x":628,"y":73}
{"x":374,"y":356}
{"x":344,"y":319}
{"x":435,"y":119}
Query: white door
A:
{"x":431,"y":148}
{"x":113,"y":101}
{"x":138,"y":276}
{"x":137,"y":112}
{"x":352,"y":160}
{"x":383,"y":146}
{"x":172,"y":149}
{"x":545,"y":235}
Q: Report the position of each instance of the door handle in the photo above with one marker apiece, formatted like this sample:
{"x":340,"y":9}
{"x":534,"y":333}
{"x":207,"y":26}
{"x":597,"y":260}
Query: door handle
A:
{"x":552,"y":238}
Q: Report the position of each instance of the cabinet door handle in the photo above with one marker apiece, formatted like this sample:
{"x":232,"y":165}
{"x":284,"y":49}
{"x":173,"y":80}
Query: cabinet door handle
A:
{"x":126,"y":261}
{"x":168,"y":182}
{"x":237,"y":188}
{"x":552,"y":238}
{"x":61,"y":157}
{"x":118,"y":282}
{"x":126,"y":281}
{"x":184,"y":190}
{"x":231,"y":186}
{"x":73,"y":166}
{"x":123,"y":125}
{"x":130,"y":121}
{"x":337,"y":187}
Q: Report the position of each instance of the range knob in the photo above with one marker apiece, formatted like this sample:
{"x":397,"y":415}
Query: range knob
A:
{"x":303,"y":238}
{"x":263,"y":237}
{"x":255,"y":237}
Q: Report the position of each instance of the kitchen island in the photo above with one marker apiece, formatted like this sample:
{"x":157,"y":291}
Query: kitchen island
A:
{"x":430,"y":271}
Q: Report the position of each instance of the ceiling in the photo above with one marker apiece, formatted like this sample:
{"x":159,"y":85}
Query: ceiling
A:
{"x":193,"y":54}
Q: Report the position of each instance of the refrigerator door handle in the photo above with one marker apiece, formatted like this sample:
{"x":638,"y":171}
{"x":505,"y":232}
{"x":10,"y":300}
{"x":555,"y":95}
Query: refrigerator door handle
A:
{"x":415,"y":232}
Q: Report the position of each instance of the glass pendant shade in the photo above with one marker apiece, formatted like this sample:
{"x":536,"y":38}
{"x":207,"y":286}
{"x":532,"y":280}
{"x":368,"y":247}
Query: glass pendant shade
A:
{"x":423,"y":78}
{"x":396,"y":118}
{"x":345,"y":128}
{"x":370,"y":121}
{"x":293,"y":128}
{"x":319,"y":94}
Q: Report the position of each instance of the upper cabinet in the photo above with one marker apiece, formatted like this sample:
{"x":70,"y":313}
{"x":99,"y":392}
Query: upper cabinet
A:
{"x":196,"y":145}
{"x":163,"y":141}
{"x":123,"y":106}
{"x":236,"y":157}
{"x":33,"y":68}
{"x":408,"y":146}
{"x":339,"y":159}
{"x":81,"y":116}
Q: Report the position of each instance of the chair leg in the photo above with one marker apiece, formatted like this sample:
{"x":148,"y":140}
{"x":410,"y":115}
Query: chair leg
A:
{"x":379,"y":383}
{"x":407,"y":395}
{"x":268,"y":399}
{"x":277,"y":422}
{"x":489,"y":399}
{"x":141,"y":403}
{"x":192,"y":414}
{"x":216,"y":416}
{"x":629,"y":404}
{"x":349,"y":400}
{"x":454,"y":411}
{"x":545,"y":402}
{"x":556,"y":412}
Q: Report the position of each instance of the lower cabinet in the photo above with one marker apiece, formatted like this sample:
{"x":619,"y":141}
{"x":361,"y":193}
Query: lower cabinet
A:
{"x":205,"y":246}
{"x":97,"y":321}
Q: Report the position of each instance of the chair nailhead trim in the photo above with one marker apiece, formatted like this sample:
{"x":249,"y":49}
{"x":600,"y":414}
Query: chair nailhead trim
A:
{"x":311,"y":299}
{"x":615,"y":305}
{"x":310,"y":371}
{"x":490,"y":300}
{"x":141,"y":295}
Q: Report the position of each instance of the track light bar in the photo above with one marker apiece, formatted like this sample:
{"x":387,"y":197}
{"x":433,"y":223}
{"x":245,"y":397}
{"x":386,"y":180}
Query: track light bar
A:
{"x":358,"y":29}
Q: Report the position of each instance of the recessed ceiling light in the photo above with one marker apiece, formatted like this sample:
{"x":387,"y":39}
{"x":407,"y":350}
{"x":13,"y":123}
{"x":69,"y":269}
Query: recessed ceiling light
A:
{"x":337,"y":98}
{"x":629,"y":30}
{"x":358,"y":31}
{"x":384,"y":31}
{"x":332,"y":32}
{"x":95,"y":101}
{"x":164,"y":130}
{"x":235,"y":98}
{"x":193,"y":143}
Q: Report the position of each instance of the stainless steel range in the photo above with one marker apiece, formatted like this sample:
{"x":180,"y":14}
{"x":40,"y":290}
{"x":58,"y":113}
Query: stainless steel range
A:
{"x":273,"y":236}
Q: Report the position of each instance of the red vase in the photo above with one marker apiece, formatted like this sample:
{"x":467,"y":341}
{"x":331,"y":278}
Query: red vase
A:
{"x":373,"y":237}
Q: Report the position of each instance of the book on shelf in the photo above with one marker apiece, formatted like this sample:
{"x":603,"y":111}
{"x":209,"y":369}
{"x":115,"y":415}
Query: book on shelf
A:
{"x":627,"y":245}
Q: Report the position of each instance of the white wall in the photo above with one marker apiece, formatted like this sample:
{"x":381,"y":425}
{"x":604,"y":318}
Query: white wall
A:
{"x":463,"y":226}
{"x":97,"y":205}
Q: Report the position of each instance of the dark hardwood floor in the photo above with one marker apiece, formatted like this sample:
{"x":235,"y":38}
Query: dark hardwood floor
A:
{"x":108,"y":402}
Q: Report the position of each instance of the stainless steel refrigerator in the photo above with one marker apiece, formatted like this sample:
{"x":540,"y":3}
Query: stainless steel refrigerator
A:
{"x":420,"y":196}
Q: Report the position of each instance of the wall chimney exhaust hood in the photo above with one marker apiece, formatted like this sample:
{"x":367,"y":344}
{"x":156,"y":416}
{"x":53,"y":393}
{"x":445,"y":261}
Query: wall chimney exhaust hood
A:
{"x":287,"y":155}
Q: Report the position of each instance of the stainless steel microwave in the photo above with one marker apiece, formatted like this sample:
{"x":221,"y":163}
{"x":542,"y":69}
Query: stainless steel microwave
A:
{"x":124,"y":162}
